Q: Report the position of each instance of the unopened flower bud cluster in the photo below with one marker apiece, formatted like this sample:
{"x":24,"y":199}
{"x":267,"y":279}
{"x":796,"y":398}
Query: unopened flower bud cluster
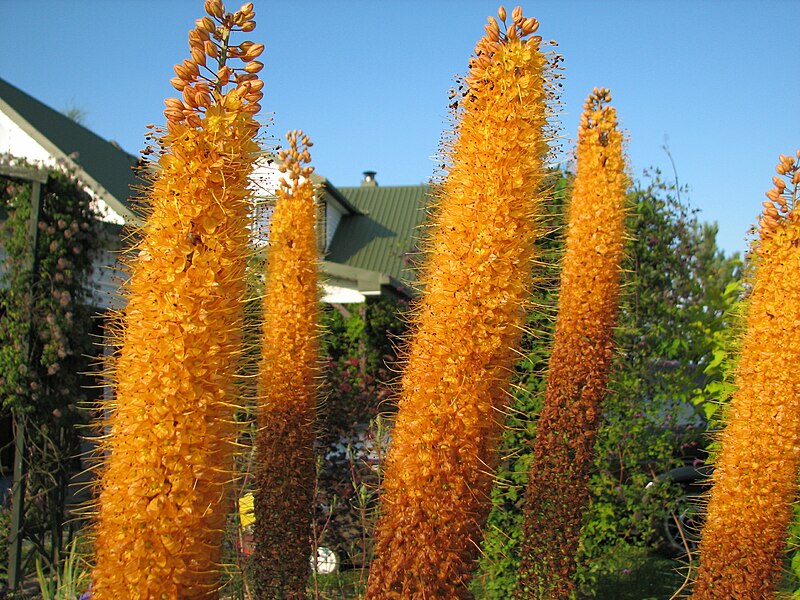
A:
{"x":202,"y":81}
{"x":782,"y":197}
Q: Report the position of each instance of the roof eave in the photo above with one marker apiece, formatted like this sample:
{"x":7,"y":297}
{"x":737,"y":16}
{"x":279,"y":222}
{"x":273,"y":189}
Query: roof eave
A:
{"x":113,"y":202}
{"x":344,"y":204}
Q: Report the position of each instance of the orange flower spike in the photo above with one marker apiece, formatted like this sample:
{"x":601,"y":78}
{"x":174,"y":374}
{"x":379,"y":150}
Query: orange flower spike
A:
{"x":476,"y":284}
{"x":755,"y":479}
{"x":558,"y":493}
{"x":163,"y":489}
{"x":285,"y":467}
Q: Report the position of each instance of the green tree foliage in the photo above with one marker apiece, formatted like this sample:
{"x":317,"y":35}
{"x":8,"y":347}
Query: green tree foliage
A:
{"x":676,"y":297}
{"x":68,"y":240}
{"x":675,"y":306}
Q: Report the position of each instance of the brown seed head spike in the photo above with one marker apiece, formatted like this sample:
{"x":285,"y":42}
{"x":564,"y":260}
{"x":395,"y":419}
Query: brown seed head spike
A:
{"x":558,"y":492}
{"x":285,"y":466}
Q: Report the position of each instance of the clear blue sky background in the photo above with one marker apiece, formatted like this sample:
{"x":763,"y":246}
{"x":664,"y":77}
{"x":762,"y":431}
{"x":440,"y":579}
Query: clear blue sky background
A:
{"x":367,"y":80}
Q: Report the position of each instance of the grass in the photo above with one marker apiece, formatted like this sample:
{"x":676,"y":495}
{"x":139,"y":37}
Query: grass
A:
{"x":344,"y":585}
{"x":632,"y":574}
{"x":637,"y":574}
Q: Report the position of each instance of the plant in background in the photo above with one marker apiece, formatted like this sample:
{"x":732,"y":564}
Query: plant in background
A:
{"x":671,"y":315}
{"x":558,"y":491}
{"x":43,"y":384}
{"x":71,"y":581}
{"x":755,"y":477}
{"x":359,"y":388}
{"x":164,"y":488}
{"x":469,"y":322}
{"x":285,"y":467}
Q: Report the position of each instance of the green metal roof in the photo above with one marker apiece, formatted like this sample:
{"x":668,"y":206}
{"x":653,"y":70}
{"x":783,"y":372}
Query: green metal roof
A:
{"x":332,"y":195}
{"x":104,"y":163}
{"x":384,"y":236}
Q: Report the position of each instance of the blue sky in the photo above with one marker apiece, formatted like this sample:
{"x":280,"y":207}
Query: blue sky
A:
{"x":716,"y":81}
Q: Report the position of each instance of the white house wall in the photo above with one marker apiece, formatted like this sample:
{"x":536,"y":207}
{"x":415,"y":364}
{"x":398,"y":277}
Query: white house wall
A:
{"x":14,"y":141}
{"x":18,"y":144}
{"x":332,"y":219}
{"x":265,"y":180}
{"x":263,"y":183}
{"x":107,"y":277}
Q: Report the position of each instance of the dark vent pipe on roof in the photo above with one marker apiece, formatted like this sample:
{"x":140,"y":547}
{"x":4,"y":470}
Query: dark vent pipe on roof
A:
{"x":369,"y":179}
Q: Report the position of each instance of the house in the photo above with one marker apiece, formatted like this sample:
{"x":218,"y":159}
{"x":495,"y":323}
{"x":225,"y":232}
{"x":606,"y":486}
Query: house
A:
{"x":366,"y":232}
